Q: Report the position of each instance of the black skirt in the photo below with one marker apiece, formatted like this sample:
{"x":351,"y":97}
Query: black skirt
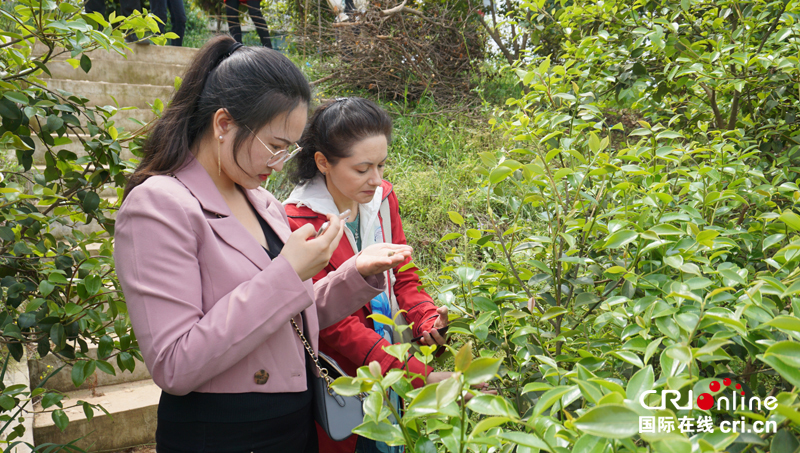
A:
{"x":294,"y":432}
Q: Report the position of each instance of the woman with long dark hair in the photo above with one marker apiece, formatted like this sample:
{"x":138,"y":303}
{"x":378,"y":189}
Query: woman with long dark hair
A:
{"x":215,"y":281}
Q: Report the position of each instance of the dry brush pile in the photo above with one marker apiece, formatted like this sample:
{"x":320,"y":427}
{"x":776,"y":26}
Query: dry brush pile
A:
{"x":400,"y":52}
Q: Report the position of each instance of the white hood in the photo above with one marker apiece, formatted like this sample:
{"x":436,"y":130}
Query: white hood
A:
{"x":314,"y":195}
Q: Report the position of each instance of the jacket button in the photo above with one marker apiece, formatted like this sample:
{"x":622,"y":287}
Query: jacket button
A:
{"x":261,"y":377}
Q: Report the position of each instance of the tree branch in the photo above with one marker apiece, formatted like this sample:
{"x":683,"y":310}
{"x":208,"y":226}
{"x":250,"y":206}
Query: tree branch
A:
{"x":712,"y":101}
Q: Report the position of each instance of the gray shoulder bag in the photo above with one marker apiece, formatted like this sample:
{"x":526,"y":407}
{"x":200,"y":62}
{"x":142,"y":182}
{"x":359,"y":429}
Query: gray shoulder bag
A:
{"x":338,"y":415}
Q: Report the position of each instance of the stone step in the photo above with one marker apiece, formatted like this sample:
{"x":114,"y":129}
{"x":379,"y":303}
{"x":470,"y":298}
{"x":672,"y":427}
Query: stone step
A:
{"x":133,"y":407}
{"x":62,"y":380}
{"x":146,"y":54}
{"x":114,"y":71}
{"x":104,"y":93}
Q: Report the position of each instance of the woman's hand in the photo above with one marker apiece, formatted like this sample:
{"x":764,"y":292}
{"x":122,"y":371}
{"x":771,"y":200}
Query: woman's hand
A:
{"x":433,"y":336}
{"x":379,"y":258}
{"x":308,"y":257}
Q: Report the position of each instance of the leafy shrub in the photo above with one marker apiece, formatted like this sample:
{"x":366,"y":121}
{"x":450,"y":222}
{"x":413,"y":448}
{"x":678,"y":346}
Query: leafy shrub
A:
{"x":60,"y":293}
{"x":657,"y":253}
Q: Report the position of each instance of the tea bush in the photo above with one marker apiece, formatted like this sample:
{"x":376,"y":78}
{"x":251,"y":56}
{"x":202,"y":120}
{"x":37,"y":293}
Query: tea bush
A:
{"x":640,"y":234}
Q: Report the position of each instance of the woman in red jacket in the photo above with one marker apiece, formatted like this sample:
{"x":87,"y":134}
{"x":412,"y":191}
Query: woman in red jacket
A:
{"x":340,"y":168}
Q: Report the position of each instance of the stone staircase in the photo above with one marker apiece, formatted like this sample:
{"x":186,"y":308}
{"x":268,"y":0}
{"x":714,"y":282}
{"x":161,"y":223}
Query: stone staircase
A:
{"x":131,"y":399}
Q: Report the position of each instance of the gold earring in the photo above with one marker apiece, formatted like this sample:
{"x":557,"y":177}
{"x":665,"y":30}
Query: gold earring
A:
{"x":219,"y":156}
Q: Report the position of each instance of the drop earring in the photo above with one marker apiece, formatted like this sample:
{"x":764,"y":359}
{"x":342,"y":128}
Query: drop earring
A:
{"x":219,"y":157}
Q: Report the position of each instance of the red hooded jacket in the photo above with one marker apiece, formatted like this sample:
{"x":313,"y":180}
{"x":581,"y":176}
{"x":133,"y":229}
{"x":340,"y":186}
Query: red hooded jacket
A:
{"x":353,"y":341}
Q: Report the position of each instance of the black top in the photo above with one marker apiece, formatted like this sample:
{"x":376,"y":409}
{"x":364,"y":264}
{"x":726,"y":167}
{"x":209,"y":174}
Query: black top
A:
{"x":236,"y":407}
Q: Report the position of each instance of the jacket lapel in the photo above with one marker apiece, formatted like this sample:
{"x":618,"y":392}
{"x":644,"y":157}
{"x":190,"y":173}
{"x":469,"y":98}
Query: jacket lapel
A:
{"x":271,"y":212}
{"x":224,"y":224}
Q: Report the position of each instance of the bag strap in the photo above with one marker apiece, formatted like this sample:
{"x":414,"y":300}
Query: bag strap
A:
{"x":323,"y":372}
{"x":386,"y":221}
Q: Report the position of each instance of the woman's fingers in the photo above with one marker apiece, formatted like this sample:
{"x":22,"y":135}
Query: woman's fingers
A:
{"x":433,"y":337}
{"x":442,"y":320}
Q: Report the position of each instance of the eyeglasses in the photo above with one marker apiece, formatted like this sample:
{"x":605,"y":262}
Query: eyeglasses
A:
{"x":281,"y":156}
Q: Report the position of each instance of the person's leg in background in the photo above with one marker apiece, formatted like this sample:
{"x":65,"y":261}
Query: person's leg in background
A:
{"x":95,"y":6}
{"x":254,"y":8}
{"x":159,"y":8}
{"x":232,"y":11}
{"x":128,"y":6}
{"x":177,"y":15}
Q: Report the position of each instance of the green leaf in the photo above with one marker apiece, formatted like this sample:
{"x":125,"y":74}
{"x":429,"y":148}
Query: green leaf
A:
{"x":456,"y":218}
{"x":14,"y":96}
{"x":447,"y":391}
{"x":785,"y":323}
{"x":787,"y":351}
{"x":620,"y":238}
{"x":550,"y":397}
{"x":92,"y":283}
{"x":383,"y":431}
{"x":489,"y":423}
{"x":86,"y":63}
{"x":553,"y":312}
{"x":536,"y":387}
{"x":481,"y":370}
{"x":90,"y":202}
{"x":7,"y":402}
{"x":499,"y":174}
{"x":464,"y":357}
{"x":788,"y":372}
{"x":675,"y":444}
{"x":51,"y":399}
{"x":450,"y":236}
{"x":707,"y":237}
{"x":79,"y":373}
{"x":525,"y":439}
{"x":398,"y":351}
{"x":425,"y":403}
{"x":493,"y":405}
{"x":87,"y":409}
{"x":105,"y":347}
{"x":57,"y":337}
{"x":347,"y":386}
{"x":791,"y":219}
{"x":46,"y":287}
{"x":106,"y":367}
{"x":60,"y":418}
{"x":680,"y":353}
{"x":611,"y":421}
{"x":383,"y":319}
{"x":640,"y":382}
{"x":628,"y":357}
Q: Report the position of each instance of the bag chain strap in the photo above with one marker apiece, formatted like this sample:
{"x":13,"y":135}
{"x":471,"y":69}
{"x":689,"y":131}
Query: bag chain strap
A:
{"x":323,"y":372}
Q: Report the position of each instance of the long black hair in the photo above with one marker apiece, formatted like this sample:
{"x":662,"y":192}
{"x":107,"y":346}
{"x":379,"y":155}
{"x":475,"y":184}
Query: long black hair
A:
{"x":333,"y":129}
{"x":254,"y":84}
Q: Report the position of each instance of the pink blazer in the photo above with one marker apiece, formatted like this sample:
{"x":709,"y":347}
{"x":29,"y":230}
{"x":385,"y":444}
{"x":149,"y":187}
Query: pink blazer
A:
{"x":209,"y":308}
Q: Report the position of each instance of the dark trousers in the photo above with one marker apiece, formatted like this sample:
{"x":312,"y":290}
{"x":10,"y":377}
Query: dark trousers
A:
{"x":254,"y":8}
{"x":177,"y":16}
{"x":293,"y":433}
{"x":126,"y":6}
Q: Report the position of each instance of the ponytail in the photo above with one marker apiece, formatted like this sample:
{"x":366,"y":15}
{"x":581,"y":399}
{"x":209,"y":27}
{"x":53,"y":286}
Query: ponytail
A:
{"x":254,"y":84}
{"x":333,"y":129}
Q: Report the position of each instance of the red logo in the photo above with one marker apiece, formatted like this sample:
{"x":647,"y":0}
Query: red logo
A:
{"x":705,"y":401}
